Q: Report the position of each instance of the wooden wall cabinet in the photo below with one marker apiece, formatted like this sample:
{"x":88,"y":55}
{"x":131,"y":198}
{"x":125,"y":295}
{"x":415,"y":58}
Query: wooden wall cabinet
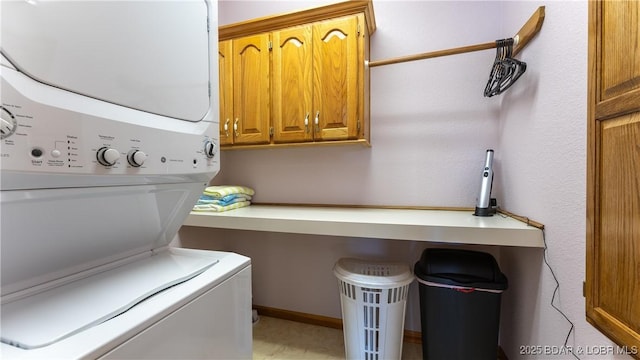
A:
{"x":317,"y":85}
{"x":613,"y":172}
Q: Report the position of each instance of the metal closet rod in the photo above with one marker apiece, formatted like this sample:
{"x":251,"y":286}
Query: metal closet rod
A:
{"x":520,"y":40}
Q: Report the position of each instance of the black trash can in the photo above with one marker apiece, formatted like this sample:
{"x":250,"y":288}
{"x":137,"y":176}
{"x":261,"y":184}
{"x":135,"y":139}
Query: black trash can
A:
{"x":460,"y":292}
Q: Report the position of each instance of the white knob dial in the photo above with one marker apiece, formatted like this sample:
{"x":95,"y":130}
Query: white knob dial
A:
{"x":107,"y":156}
{"x":136,"y":158}
{"x":8,"y":123}
{"x":210,"y":148}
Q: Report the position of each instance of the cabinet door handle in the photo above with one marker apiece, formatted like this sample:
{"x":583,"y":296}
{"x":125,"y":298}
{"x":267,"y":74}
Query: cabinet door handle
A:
{"x":306,"y":123}
{"x":317,"y":121}
{"x":235,"y":127}
{"x":226,"y":128}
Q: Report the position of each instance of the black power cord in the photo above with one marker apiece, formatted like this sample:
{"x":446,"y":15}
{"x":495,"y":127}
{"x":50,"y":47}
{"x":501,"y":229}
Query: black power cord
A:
{"x":555,"y":292}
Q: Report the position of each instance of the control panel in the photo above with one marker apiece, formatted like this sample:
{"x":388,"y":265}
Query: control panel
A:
{"x":55,"y":131}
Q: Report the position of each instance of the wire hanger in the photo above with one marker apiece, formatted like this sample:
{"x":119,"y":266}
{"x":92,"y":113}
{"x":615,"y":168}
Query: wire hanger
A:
{"x":511,"y":69}
{"x":505,"y":70}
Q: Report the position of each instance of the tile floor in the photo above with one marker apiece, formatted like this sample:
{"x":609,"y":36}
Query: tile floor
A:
{"x":283,"y":339}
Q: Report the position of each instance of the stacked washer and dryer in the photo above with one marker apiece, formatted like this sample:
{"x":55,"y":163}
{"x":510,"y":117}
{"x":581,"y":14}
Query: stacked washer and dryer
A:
{"x":109,"y":130}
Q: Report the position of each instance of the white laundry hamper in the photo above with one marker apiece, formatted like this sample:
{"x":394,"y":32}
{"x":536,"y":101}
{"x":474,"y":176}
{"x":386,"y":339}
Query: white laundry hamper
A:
{"x":373,"y":296}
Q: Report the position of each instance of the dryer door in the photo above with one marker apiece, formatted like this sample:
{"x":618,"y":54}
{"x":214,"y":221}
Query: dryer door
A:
{"x":123,"y":52}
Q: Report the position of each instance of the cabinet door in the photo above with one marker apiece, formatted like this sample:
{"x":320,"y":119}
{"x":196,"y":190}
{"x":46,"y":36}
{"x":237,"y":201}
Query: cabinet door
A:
{"x":225,"y":88}
{"x":251,"y":89}
{"x":335,"y":77}
{"x":613,"y":183}
{"x":620,"y":38}
{"x":618,"y":245}
{"x":292,"y":85}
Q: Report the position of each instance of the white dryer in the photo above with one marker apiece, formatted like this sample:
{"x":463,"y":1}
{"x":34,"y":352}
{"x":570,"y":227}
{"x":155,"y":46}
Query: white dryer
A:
{"x":108,"y":135}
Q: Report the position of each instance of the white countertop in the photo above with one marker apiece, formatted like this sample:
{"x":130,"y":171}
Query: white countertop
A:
{"x":440,"y":226}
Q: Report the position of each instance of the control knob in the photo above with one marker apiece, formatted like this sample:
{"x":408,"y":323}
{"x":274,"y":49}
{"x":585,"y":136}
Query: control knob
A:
{"x":8,"y":123}
{"x":210,"y":148}
{"x":136,"y":158}
{"x":107,"y":156}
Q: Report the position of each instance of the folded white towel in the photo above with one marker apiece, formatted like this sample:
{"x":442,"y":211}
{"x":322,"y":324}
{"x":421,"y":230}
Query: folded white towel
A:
{"x":220,"y":191}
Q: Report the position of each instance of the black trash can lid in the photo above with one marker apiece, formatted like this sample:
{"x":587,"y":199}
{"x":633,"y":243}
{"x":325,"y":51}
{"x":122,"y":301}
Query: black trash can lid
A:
{"x":460,"y":268}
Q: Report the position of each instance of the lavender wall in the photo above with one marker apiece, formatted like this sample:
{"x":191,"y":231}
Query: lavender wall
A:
{"x":542,"y":139}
